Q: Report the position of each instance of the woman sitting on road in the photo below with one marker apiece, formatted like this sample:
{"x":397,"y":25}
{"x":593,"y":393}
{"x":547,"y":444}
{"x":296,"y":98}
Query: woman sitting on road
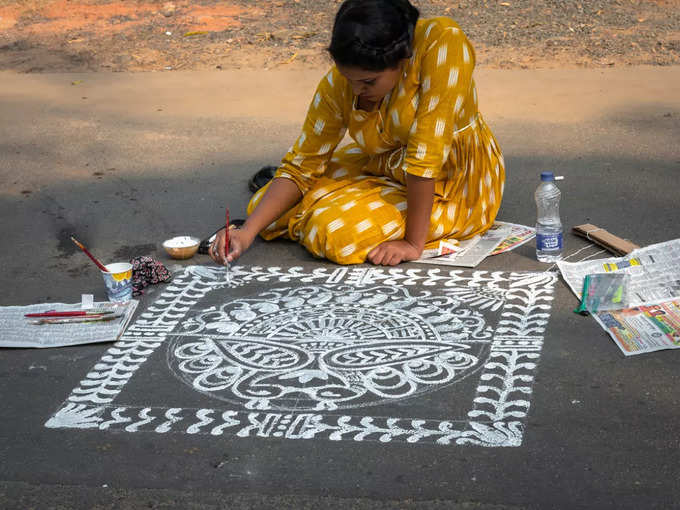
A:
{"x":424,"y":167}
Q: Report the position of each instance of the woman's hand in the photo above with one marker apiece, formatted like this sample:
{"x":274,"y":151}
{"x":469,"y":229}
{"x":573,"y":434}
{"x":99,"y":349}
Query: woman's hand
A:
{"x":419,"y":199}
{"x":281,"y":195}
{"x":239,"y":242}
{"x":391,"y":253}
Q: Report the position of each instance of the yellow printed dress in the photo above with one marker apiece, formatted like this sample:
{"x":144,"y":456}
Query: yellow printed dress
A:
{"x":354,"y":197}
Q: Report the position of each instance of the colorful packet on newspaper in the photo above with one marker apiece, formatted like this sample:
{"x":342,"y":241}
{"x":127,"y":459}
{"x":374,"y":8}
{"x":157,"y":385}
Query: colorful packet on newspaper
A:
{"x":605,"y":291}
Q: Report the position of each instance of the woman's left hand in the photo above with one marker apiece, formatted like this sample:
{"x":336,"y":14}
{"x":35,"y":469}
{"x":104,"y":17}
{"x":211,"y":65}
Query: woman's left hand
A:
{"x":391,"y":253}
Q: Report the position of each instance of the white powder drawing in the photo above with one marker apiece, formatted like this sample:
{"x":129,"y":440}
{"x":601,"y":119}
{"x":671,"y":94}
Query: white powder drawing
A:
{"x":328,"y":346}
{"x":307,"y":354}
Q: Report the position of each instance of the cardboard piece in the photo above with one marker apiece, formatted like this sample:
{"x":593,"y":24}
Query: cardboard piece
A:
{"x":605,"y":239}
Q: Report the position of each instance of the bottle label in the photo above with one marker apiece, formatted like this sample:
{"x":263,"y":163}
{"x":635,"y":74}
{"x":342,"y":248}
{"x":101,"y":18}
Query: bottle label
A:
{"x":551,"y":242}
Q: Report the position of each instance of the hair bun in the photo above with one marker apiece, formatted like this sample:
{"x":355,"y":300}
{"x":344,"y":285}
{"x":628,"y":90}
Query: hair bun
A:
{"x":410,"y":12}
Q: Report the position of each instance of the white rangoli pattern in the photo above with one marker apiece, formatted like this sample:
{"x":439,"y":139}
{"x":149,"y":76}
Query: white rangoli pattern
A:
{"x":296,"y":351}
{"x":328,"y":346}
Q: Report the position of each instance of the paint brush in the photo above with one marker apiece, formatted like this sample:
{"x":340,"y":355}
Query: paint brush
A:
{"x":226,"y":244}
{"x":67,"y":313}
{"x":87,"y":252}
{"x":74,"y":320}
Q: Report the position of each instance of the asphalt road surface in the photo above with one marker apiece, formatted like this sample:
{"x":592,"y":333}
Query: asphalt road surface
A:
{"x":126,"y":161}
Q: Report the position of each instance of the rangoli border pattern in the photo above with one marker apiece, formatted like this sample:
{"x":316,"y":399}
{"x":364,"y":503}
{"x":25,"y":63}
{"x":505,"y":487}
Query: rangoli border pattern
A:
{"x":499,"y":407}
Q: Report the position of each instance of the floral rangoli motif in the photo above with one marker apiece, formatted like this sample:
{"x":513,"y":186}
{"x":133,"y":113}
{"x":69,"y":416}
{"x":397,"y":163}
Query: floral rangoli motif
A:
{"x":329,"y":346}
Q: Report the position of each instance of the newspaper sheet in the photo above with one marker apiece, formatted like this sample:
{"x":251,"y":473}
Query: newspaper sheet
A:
{"x":654,"y":272}
{"x":519,"y":234}
{"x":18,"y":331}
{"x":467,"y":253}
{"x":448,"y":249}
{"x":645,"y":328}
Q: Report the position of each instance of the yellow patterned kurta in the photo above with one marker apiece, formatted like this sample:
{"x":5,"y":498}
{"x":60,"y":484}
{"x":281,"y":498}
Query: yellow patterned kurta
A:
{"x":354,"y":197}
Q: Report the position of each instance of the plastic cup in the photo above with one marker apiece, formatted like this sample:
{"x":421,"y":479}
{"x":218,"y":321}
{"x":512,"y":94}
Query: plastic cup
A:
{"x":118,"y":282}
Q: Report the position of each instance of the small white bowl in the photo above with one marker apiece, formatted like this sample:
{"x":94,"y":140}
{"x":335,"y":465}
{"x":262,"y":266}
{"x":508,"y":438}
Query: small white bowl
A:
{"x":182,"y":247}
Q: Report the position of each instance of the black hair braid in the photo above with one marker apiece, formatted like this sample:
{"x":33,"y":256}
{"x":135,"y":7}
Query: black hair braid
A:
{"x":373,"y":34}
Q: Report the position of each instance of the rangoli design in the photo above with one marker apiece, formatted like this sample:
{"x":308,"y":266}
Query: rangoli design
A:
{"x":327,"y":352}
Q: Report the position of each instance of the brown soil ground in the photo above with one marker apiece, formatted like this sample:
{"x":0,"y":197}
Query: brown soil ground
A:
{"x":124,"y":35}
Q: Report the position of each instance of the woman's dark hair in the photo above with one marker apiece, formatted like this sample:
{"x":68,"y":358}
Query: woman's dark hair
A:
{"x":373,"y":35}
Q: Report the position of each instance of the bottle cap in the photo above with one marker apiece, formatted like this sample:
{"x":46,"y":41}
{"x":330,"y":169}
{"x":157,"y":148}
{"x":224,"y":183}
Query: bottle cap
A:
{"x":547,"y":176}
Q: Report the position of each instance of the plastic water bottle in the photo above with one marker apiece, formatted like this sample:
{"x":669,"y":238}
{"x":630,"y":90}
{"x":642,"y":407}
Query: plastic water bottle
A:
{"x":548,"y":224}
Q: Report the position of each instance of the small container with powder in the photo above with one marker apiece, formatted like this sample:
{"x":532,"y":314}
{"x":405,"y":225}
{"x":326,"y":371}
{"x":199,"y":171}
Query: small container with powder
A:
{"x":182,"y":247}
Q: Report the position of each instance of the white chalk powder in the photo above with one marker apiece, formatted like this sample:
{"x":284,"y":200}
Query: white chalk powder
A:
{"x":180,"y":242}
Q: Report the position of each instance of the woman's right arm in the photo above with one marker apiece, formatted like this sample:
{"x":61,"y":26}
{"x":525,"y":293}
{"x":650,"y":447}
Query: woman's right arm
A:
{"x":281,"y":195}
{"x":322,"y":130}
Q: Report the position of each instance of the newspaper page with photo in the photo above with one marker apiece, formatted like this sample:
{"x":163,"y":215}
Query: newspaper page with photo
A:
{"x":652,"y":321}
{"x":644,"y":328}
{"x":519,"y":234}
